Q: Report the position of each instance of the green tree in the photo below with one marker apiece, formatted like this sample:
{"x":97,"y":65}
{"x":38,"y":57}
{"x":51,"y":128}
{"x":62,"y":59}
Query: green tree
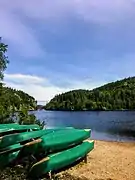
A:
{"x":3,"y":58}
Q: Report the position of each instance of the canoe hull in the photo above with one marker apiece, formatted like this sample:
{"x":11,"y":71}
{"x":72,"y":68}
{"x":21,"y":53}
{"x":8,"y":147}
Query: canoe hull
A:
{"x":8,"y":158}
{"x":11,"y":139}
{"x":30,"y":148}
{"x":61,"y":140}
{"x":10,"y":149}
{"x":17,"y":151}
{"x":14,"y":128}
{"x":19,"y":137}
{"x":60,"y":160}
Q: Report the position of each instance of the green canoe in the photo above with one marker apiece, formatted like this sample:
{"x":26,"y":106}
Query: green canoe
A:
{"x":60,"y":160}
{"x":10,"y":149}
{"x":20,"y":137}
{"x":63,"y":139}
{"x":7,"y":127}
{"x":19,"y":128}
{"x":11,"y":139}
{"x":30,"y":148}
{"x":9,"y":154}
{"x":8,"y":158}
{"x":17,"y":151}
{"x":10,"y":125}
{"x":54,"y":140}
{"x":12,"y":128}
{"x":16,"y":126}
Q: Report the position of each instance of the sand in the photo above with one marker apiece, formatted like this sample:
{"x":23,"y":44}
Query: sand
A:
{"x":108,"y":161}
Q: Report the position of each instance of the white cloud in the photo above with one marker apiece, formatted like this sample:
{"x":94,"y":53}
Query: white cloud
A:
{"x":38,"y":87}
{"x":41,"y":88}
{"x":24,"y":79}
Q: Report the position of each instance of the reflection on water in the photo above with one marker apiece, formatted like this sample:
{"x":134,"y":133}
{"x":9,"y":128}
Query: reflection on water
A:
{"x":111,"y":125}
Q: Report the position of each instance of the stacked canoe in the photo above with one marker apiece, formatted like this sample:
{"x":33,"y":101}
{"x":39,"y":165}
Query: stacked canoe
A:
{"x":52,"y":149}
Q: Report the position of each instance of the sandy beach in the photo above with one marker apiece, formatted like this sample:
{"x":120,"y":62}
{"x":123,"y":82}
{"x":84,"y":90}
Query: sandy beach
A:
{"x":108,"y":161}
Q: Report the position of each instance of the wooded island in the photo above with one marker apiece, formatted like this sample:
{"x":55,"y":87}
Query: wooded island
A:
{"x":119,"y":95}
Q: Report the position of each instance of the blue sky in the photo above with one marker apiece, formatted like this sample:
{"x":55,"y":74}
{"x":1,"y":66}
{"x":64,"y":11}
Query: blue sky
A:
{"x":56,"y":46}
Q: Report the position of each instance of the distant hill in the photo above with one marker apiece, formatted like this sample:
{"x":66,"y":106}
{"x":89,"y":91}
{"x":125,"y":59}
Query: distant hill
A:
{"x":39,"y":107}
{"x":119,"y":95}
{"x":12,"y":99}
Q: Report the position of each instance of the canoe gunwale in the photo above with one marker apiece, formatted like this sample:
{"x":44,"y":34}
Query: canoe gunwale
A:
{"x":10,"y":151}
{"x":88,"y":140}
{"x":33,"y":142}
{"x":20,"y":138}
{"x":19,"y":148}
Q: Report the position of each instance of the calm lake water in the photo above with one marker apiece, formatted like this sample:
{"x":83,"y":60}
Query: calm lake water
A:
{"x":112,"y":125}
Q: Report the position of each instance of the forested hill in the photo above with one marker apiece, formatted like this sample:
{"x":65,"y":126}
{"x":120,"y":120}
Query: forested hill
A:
{"x":11,"y":99}
{"x":119,"y":95}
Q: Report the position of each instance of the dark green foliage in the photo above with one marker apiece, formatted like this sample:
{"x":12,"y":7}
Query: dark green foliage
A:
{"x":12,"y":102}
{"x":26,"y":118}
{"x":119,"y":95}
{"x":3,"y":58}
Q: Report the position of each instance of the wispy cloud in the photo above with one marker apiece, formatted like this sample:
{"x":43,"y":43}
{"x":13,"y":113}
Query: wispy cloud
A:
{"x":42,"y":88}
{"x":24,"y":79}
{"x":38,"y":87}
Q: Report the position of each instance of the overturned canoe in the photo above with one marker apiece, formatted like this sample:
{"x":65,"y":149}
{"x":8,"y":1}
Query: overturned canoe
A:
{"x":10,"y":149}
{"x":6,"y":159}
{"x":19,"y":137}
{"x":16,"y":126}
{"x":17,"y":151}
{"x":35,"y":146}
{"x":27,"y":127}
{"x":60,"y":160}
{"x":11,"y":139}
{"x":30,"y":148}
{"x":63,"y":139}
{"x":12,"y":128}
{"x":9,"y":154}
{"x":10,"y":125}
{"x":54,"y":140}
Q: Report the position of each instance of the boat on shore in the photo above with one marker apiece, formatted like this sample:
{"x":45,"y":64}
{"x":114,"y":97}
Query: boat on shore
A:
{"x":11,"y":139}
{"x":55,"y":162}
{"x":60,"y":140}
{"x":60,"y":147}
{"x":12,"y":128}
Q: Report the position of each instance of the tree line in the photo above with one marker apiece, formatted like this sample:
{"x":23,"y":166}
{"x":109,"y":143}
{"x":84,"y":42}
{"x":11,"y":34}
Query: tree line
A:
{"x":119,"y":95}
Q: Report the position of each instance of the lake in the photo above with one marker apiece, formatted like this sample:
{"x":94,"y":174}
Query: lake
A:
{"x":110,"y":125}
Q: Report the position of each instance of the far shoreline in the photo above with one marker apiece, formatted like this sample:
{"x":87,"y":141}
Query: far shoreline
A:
{"x":125,"y":110}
